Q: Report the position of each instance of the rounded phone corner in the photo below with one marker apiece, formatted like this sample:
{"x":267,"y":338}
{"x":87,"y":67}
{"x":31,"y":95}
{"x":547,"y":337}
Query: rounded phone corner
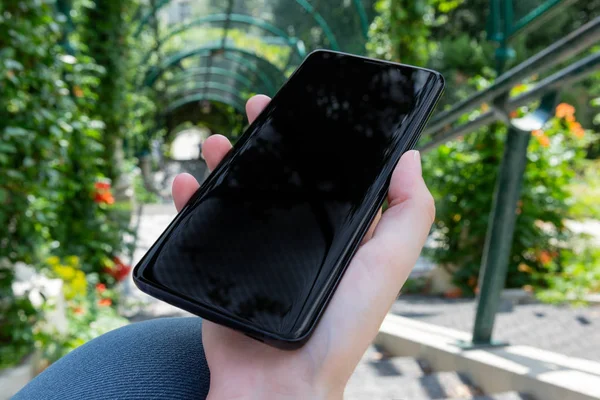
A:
{"x":289,"y":345}
{"x":317,"y":52}
{"x":285,"y":343}
{"x":440,"y":78}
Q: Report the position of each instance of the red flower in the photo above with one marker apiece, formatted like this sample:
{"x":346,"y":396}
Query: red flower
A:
{"x":453,"y":293}
{"x":119,"y":271}
{"x":101,"y":287}
{"x":102,"y":195}
{"x":104,"y":198}
{"x":105,"y":302}
{"x":102,"y":185}
{"x":545,"y":257}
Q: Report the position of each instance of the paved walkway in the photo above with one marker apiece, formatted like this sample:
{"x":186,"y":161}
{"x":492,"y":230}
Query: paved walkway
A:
{"x":571,"y":331}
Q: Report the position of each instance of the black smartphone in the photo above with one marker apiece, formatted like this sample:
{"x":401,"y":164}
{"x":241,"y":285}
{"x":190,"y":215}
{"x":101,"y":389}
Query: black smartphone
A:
{"x":263,"y":243}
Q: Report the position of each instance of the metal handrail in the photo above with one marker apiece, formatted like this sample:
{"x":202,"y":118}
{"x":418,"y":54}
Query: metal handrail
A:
{"x":569,"y":75}
{"x":569,"y":46}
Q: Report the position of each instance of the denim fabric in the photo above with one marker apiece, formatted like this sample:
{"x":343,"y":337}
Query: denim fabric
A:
{"x":157,"y":359}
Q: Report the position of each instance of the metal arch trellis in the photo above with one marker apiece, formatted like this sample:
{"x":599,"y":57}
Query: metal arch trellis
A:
{"x":222,"y":87}
{"x":224,"y":17}
{"x":303,"y":3}
{"x":155,"y":73}
{"x":192,"y":73}
{"x":266,"y":83}
{"x":270,"y":85}
{"x":204,"y":97}
{"x":267,"y":73}
{"x":198,"y":98}
{"x":362,"y":15}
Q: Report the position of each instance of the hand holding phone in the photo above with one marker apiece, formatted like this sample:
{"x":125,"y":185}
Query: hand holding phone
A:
{"x":241,"y":366}
{"x":271,"y":243}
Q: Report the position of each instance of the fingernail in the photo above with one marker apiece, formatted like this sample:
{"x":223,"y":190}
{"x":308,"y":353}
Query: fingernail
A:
{"x":417,"y":159}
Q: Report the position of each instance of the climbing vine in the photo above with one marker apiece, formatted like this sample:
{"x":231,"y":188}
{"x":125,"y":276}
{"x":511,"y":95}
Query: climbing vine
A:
{"x":56,"y":195}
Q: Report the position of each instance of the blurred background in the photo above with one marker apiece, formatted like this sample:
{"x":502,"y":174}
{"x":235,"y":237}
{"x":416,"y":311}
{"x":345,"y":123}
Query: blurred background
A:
{"x":103,"y":102}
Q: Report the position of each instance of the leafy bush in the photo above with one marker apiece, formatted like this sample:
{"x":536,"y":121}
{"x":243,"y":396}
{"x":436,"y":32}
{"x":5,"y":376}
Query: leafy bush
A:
{"x":462,"y":173}
{"x":462,"y":177}
{"x":90,"y":313}
{"x":54,"y":195}
{"x":573,"y":276}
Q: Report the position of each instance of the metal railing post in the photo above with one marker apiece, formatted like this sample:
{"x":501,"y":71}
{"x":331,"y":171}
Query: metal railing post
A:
{"x":500,"y":233}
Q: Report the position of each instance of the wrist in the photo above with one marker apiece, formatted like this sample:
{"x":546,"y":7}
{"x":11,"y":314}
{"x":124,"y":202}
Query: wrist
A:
{"x":236,"y":390}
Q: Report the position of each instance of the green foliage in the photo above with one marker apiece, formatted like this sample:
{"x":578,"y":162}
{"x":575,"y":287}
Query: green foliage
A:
{"x":104,"y":33}
{"x":16,"y":329}
{"x":402,"y":29}
{"x":141,"y":193}
{"x":574,"y":276}
{"x":450,"y":37}
{"x":462,"y":175}
{"x":52,"y":159}
{"x":587,"y":192}
{"x":415,"y":285}
{"x":90,"y":313}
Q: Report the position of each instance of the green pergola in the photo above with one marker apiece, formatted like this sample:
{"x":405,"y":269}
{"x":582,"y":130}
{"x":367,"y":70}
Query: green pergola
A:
{"x":225,"y":51}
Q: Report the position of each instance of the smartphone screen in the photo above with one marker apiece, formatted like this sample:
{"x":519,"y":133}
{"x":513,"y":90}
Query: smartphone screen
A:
{"x":266,"y":237}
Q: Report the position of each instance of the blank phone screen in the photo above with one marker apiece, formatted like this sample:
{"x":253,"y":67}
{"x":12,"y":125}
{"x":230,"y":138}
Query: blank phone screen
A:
{"x":270,"y":230}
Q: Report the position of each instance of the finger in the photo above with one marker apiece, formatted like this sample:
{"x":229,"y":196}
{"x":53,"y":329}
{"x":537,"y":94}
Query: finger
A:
{"x":400,"y":234}
{"x":217,"y":146}
{"x":381,"y":266}
{"x":255,"y":105}
{"x":371,"y":230}
{"x":184,"y":186}
{"x":214,"y":149}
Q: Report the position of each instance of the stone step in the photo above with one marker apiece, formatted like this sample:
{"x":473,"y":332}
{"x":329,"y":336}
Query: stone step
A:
{"x":435,"y":386}
{"x":498,"y":396}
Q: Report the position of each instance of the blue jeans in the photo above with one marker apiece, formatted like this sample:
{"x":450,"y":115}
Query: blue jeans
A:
{"x":158,"y":359}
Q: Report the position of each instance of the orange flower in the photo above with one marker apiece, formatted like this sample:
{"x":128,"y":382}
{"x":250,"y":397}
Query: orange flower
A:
{"x":78,"y":311}
{"x":544,"y":140}
{"x":537,"y":133}
{"x":472,"y":281}
{"x":101,"y":287}
{"x":544,"y":257}
{"x":563,"y":110}
{"x":570,"y":118}
{"x":77,"y":92}
{"x":105,"y":302}
{"x":102,"y":195}
{"x":577,"y":129}
{"x":525,"y":268}
{"x":513,"y":114}
{"x":104,"y":198}
{"x":485,"y":107}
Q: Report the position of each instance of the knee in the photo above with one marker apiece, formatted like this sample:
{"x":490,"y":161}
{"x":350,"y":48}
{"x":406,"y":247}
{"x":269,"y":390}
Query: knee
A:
{"x":150,"y":357}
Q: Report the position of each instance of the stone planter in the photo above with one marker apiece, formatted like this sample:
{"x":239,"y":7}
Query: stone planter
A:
{"x":441,"y":280}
